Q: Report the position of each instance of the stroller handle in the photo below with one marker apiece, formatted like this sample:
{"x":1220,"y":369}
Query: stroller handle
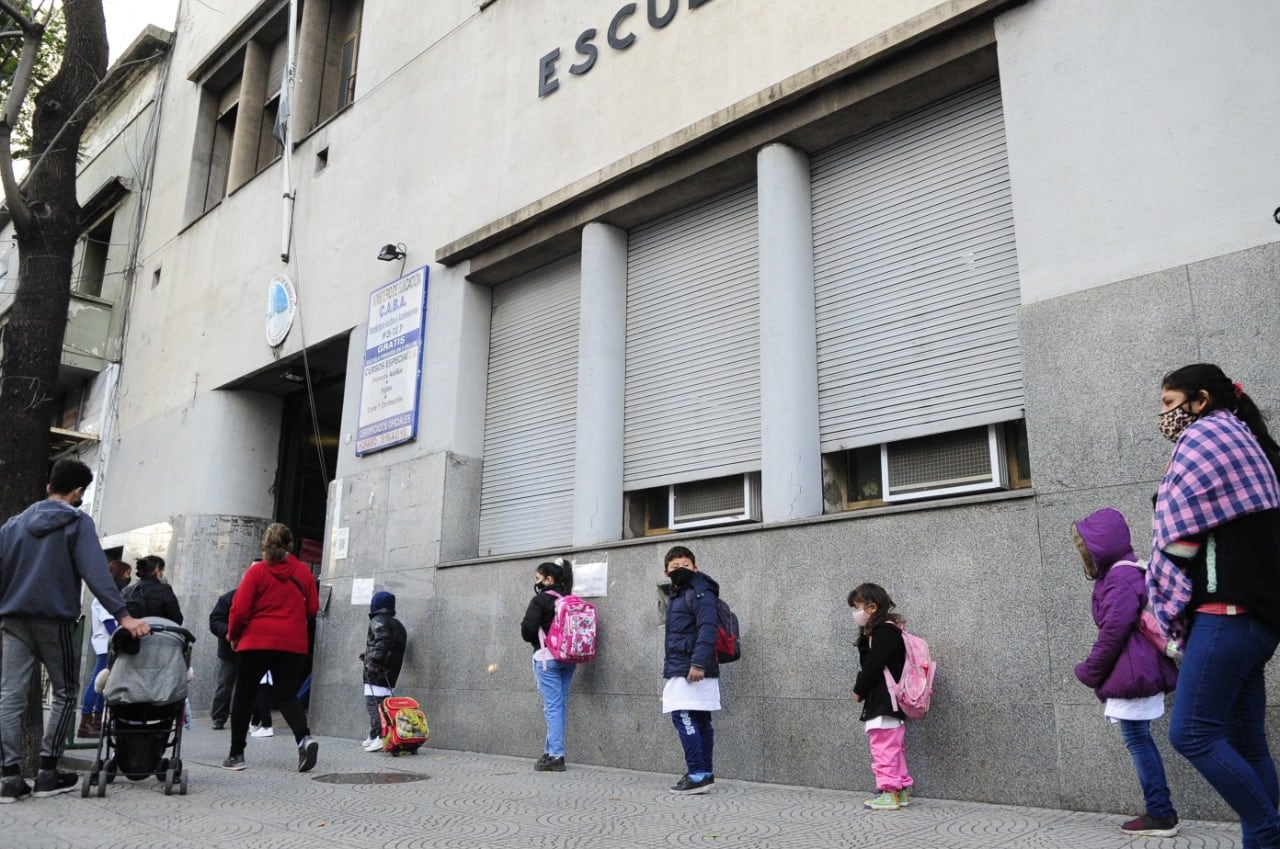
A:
{"x":173,"y":629}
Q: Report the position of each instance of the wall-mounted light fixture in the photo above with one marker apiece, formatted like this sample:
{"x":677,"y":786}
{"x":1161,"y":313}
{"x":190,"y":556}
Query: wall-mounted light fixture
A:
{"x":391,"y":252}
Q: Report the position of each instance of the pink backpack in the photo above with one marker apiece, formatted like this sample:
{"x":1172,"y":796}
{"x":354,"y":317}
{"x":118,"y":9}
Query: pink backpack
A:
{"x":572,"y":635}
{"x":912,"y":693}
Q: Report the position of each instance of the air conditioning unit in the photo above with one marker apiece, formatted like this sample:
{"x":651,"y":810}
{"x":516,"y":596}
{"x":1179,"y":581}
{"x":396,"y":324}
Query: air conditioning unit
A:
{"x":971,"y":460}
{"x":718,"y":501}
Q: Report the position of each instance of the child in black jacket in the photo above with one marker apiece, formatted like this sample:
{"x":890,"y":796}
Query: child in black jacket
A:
{"x":383,"y":656}
{"x":880,"y":647}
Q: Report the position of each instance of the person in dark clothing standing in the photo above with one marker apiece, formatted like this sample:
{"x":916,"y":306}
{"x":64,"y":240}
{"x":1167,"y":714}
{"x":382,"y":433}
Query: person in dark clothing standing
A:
{"x":45,"y":553}
{"x":384,"y":646}
{"x":150,"y":595}
{"x":880,"y":647}
{"x":226,"y":678}
{"x":692,"y":689}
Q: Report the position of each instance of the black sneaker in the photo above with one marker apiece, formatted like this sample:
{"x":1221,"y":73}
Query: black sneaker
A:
{"x":307,"y":751}
{"x":219,"y":724}
{"x":550,"y":764}
{"x":1149,"y":826}
{"x":234,"y":762}
{"x":688,"y":787}
{"x":50,"y":782}
{"x":14,"y":788}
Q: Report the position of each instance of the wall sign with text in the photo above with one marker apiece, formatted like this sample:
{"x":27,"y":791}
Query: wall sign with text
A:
{"x":392,"y":373}
{"x":619,"y":35}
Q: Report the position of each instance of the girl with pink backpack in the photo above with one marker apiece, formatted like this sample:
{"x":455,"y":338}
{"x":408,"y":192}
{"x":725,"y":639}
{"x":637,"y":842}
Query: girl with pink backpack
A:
{"x":551,"y":581}
{"x":880,"y":648}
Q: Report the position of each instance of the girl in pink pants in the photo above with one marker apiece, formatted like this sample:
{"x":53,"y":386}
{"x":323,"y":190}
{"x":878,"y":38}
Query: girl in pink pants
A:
{"x":880,"y":647}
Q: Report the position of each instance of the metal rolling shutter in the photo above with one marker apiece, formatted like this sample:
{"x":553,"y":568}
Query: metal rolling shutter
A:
{"x":916,"y":276}
{"x":693,"y":364}
{"x":526,"y":487}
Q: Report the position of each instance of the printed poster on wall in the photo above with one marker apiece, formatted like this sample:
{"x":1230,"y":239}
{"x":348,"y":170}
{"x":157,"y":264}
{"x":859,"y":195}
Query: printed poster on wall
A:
{"x":392,"y":363}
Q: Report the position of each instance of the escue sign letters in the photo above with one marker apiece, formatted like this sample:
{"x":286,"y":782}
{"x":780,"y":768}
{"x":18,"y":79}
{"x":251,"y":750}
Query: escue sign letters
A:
{"x":619,"y":35}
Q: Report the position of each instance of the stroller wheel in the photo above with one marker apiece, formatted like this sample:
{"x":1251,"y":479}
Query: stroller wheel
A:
{"x":161,"y":769}
{"x":182,"y":784}
{"x":168,"y":782}
{"x":110,"y":768}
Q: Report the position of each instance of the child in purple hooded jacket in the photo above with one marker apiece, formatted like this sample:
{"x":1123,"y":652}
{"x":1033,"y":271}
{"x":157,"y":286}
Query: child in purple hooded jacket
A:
{"x":1124,"y":668}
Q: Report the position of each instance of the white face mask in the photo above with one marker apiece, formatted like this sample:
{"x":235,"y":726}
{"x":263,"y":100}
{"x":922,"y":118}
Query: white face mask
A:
{"x":861,"y":617}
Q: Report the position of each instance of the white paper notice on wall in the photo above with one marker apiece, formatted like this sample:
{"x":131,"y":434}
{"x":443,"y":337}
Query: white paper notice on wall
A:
{"x":341,"y":537}
{"x":590,"y":579}
{"x":361,"y":590}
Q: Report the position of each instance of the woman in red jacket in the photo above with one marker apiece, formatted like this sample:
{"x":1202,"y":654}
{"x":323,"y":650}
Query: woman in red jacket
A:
{"x":268,"y":630}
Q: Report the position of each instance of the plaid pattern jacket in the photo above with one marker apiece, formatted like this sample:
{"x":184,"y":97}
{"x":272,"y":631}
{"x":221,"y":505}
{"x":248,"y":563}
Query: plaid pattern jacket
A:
{"x":1218,"y":472}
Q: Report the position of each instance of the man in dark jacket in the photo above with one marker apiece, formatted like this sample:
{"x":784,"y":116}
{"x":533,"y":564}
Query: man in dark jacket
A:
{"x":383,"y":656}
{"x":226,"y":661}
{"x":692,"y":674}
{"x":45,"y":553}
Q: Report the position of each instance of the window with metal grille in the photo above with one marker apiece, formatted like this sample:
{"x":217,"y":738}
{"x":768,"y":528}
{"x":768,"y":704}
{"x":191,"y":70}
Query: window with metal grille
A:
{"x":944,"y":460}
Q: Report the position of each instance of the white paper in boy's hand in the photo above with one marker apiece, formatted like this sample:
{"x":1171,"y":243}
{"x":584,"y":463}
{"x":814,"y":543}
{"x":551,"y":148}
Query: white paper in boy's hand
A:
{"x":361,"y":590}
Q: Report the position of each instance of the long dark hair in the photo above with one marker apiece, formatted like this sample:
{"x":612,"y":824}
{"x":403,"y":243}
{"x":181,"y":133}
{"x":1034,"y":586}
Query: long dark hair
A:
{"x":874,"y":594}
{"x":559,"y":570}
{"x":148,"y":566}
{"x":1224,"y":394}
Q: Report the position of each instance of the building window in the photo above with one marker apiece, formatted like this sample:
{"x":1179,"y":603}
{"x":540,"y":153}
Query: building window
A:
{"x":95,"y":248}
{"x":977,"y":459}
{"x":341,"y":57}
{"x":269,"y":147}
{"x":218,"y":141}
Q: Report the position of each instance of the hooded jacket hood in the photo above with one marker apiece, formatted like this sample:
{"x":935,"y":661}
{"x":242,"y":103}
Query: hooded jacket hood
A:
{"x":1106,"y":536}
{"x":45,"y":517}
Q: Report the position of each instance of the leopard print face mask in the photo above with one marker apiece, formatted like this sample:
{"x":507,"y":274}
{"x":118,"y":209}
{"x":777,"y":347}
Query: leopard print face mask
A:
{"x":1173,"y":422}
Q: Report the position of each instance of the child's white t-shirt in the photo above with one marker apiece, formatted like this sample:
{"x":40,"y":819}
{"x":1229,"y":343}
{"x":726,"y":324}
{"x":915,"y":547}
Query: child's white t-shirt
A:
{"x":1147,"y":707}
{"x":885,"y":721}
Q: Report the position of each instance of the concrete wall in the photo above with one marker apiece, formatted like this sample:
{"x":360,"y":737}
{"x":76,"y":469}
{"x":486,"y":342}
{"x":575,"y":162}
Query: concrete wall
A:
{"x":1141,"y":135}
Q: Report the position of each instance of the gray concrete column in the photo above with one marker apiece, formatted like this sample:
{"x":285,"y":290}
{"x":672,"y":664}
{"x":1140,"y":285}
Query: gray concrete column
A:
{"x":455,"y":362}
{"x":602,"y":336}
{"x":791,"y":458}
{"x":253,"y":93}
{"x":310,"y":69}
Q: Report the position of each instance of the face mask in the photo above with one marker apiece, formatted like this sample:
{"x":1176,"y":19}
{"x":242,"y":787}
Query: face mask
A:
{"x":1173,"y":422}
{"x":861,"y":617}
{"x":681,"y":578}
{"x":538,"y":587}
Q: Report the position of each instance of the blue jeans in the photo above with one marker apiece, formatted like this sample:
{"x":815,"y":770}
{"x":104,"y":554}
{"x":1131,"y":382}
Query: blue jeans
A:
{"x":93,"y":701}
{"x":1136,"y":734}
{"x":553,"y":684}
{"x":1219,"y":715}
{"x":698,"y":739}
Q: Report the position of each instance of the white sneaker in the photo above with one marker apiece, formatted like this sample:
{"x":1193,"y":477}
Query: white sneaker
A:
{"x":364,"y":744}
{"x":373,"y":745}
{"x":263,"y":732}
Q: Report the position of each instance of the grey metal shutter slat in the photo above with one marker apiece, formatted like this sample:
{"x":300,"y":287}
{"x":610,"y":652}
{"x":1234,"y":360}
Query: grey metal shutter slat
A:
{"x":526,"y":486}
{"x":916,"y":277}
{"x":692,"y":407}
{"x":275,"y":67}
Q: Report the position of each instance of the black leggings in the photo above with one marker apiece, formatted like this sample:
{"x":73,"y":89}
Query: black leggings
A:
{"x":286,"y":676}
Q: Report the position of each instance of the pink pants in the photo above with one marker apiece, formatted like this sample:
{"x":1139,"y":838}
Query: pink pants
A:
{"x":889,"y":758}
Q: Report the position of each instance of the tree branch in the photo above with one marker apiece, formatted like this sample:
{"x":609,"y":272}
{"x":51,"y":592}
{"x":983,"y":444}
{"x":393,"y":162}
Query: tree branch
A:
{"x":20,"y":18}
{"x":31,"y":40}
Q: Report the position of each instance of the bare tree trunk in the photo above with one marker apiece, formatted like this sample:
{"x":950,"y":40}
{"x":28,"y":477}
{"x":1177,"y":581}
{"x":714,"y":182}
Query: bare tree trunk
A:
{"x":46,"y":219}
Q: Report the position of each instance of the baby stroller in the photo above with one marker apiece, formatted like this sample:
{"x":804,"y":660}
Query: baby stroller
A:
{"x":145,"y":687}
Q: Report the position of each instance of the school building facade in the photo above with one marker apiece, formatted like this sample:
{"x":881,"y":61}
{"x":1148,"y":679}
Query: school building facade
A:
{"x":829,"y":292}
